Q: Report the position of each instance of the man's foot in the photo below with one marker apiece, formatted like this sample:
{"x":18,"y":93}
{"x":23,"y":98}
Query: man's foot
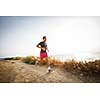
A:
{"x":37,"y":62}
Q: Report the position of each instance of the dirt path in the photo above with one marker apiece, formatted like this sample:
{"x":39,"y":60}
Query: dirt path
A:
{"x":21,"y":72}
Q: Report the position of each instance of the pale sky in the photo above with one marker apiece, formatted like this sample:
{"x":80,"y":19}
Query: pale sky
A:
{"x":65,"y":35}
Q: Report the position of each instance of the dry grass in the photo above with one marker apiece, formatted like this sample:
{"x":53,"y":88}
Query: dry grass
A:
{"x":33,"y":60}
{"x":89,"y":67}
{"x":85,"y":71}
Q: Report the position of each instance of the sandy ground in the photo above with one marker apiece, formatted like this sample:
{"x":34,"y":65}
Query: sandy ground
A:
{"x":15,"y":71}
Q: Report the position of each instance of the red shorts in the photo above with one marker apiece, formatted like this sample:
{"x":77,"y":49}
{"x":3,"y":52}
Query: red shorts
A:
{"x":43,"y":55}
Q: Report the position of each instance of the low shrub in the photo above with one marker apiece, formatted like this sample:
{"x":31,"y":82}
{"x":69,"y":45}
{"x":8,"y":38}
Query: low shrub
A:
{"x":29,"y":60}
{"x":92,"y":67}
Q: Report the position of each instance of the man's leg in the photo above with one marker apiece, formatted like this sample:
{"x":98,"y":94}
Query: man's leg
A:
{"x":46,"y":59}
{"x":41,"y":58}
{"x":41,"y":61}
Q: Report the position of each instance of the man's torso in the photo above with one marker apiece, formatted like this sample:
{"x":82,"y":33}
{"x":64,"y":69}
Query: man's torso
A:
{"x":43,"y":45}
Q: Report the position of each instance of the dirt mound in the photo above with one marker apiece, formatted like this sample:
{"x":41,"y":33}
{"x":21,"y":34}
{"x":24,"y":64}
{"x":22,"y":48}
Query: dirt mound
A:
{"x":19,"y":72}
{"x":6,"y":71}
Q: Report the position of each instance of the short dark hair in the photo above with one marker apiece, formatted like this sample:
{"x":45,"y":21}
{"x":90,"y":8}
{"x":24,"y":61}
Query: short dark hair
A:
{"x":44,"y":37}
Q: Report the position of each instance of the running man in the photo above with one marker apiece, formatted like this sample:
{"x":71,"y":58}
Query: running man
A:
{"x":43,"y":46}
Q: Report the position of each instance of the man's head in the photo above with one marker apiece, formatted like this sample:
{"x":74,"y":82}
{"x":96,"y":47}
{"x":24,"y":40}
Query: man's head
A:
{"x":44,"y":38}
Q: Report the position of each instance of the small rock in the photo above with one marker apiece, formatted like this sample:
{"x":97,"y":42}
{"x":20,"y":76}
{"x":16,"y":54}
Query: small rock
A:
{"x":81,"y":74}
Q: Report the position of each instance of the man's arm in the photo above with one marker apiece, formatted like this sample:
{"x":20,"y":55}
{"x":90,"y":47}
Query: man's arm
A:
{"x":47,"y":49}
{"x":39,"y":46}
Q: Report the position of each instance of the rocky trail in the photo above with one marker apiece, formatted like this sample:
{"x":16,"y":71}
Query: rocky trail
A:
{"x":19,"y":72}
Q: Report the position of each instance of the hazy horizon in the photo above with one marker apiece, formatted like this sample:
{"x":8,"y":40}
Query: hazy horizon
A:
{"x":65,"y":35}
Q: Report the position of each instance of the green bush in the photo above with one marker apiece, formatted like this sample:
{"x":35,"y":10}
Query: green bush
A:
{"x":29,"y":60}
{"x":16,"y":58}
{"x":12,"y":58}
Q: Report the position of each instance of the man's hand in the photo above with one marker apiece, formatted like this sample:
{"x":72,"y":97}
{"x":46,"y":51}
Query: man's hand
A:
{"x":47,"y":49}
